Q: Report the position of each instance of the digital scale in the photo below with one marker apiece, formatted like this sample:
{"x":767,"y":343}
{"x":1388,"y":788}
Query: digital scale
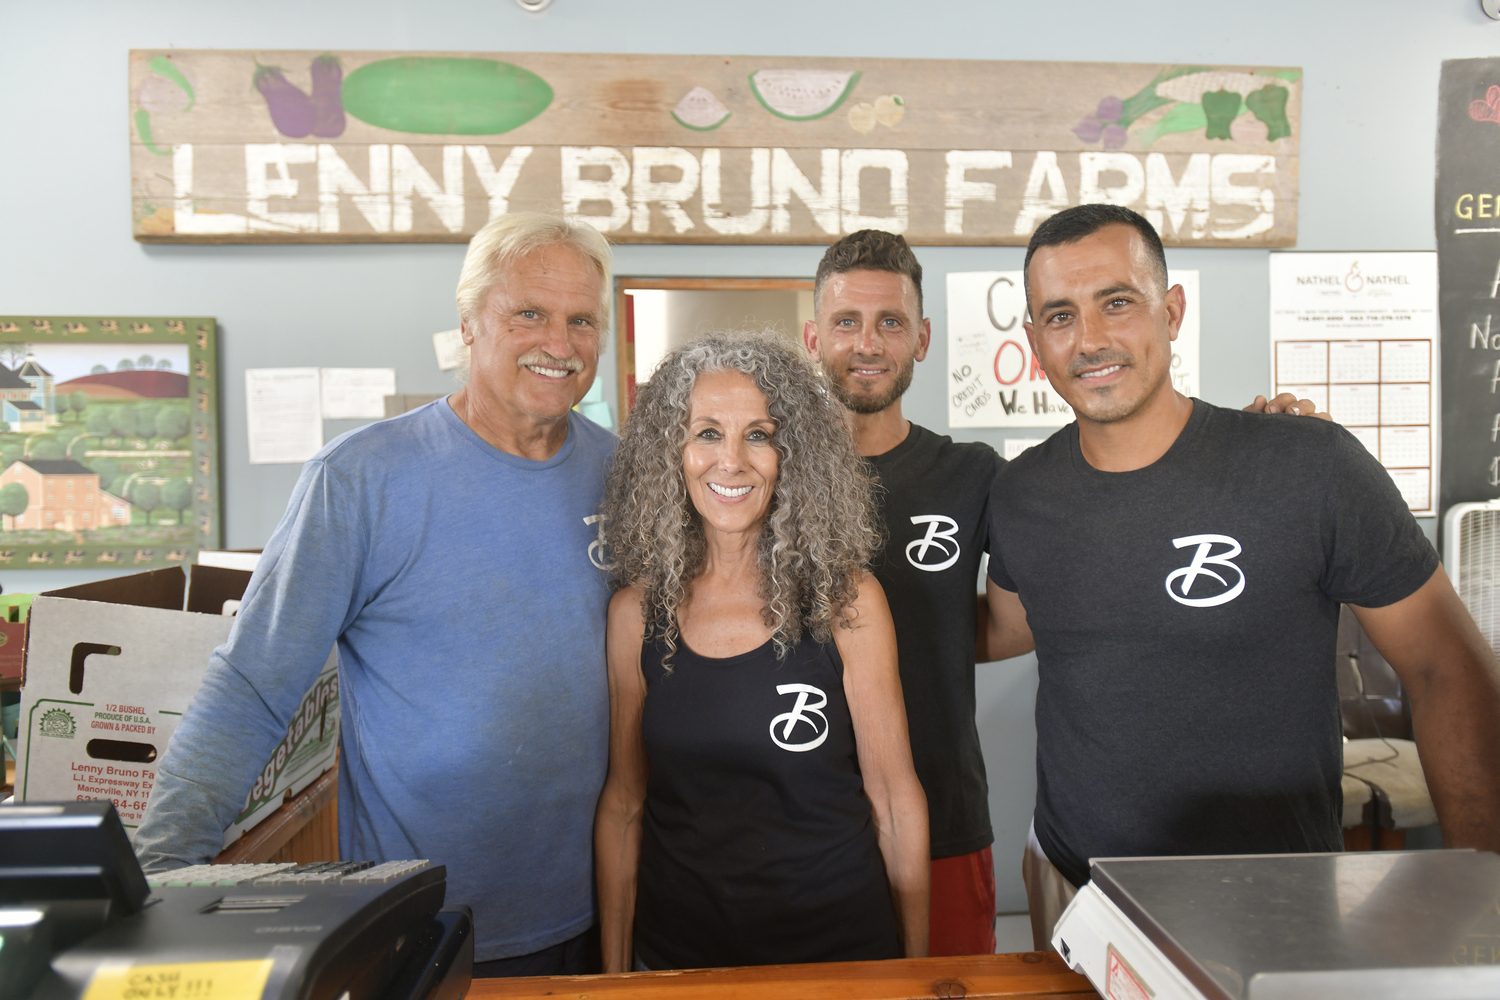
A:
{"x":1374,"y":925}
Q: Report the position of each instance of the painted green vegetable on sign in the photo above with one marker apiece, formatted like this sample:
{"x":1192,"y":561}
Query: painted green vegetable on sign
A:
{"x":435,"y":95}
{"x":1269,"y":105}
{"x":1202,"y":97}
{"x":1220,"y":108}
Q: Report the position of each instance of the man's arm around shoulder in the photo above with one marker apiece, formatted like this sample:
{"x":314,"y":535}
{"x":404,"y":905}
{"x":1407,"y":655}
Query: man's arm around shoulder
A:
{"x":1003,"y":631}
{"x":1451,"y":678}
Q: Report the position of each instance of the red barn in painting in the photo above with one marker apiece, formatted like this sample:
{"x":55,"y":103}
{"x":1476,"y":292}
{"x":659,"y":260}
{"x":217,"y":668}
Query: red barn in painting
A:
{"x":64,"y":496}
{"x":140,"y":383}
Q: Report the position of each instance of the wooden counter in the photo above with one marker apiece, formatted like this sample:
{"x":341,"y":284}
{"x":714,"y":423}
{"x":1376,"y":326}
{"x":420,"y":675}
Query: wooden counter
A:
{"x":1029,"y":974}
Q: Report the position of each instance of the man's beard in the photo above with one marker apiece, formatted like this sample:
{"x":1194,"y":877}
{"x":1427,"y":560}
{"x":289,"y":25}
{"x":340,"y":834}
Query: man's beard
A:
{"x":862,"y":403}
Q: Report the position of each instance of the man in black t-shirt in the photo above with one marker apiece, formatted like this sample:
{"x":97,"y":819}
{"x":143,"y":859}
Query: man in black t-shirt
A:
{"x":868,"y":335}
{"x":1181,"y":568}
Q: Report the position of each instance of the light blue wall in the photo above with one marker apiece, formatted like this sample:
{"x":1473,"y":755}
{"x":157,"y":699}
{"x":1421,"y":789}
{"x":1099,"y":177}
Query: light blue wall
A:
{"x":1368,"y":117}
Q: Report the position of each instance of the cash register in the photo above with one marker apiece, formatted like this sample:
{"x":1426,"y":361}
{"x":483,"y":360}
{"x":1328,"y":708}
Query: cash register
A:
{"x":79,"y":919}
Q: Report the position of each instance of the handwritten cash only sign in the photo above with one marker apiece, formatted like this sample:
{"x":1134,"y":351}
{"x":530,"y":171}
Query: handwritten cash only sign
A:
{"x":993,"y":378}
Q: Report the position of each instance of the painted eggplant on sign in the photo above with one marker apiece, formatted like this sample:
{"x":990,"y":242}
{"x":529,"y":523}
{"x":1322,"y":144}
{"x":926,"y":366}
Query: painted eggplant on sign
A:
{"x":296,"y":114}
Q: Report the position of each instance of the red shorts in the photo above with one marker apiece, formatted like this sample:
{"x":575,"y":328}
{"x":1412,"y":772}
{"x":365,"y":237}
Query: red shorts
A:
{"x":963,"y":905}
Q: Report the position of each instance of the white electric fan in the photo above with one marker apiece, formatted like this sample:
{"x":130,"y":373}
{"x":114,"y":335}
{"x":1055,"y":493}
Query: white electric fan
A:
{"x":1471,"y":554}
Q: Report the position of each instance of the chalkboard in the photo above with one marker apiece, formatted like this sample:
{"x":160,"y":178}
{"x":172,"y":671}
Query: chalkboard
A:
{"x":1468,"y":242}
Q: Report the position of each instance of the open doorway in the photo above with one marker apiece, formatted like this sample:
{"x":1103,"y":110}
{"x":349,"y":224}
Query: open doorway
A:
{"x":658,"y":315}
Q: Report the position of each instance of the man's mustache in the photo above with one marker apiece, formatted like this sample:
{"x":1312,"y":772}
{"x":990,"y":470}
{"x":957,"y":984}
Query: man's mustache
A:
{"x":1102,"y":359}
{"x":542,"y":359}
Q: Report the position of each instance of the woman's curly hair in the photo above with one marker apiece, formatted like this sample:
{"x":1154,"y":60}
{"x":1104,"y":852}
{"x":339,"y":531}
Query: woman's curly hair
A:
{"x":821,"y":528}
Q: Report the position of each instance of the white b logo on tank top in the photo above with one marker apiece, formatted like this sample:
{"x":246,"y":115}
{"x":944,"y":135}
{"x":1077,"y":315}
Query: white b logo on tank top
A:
{"x":801,"y":712}
{"x":1202,"y":559}
{"x":940,"y":532}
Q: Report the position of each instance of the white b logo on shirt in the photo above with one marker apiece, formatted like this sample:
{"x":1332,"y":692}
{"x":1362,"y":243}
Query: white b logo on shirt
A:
{"x":938,"y":538}
{"x":801,"y":712}
{"x":596,"y":547}
{"x":1199,"y":567}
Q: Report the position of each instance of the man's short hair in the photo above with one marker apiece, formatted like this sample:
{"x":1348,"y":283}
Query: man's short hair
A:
{"x":1073,"y":224}
{"x":869,"y":250}
{"x":509,"y":237}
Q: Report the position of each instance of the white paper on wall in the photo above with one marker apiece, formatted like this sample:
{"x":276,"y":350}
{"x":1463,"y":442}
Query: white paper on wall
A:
{"x":356,"y":393}
{"x":450,"y":349}
{"x":1014,"y":446}
{"x":283,"y":414}
{"x":1356,"y":333}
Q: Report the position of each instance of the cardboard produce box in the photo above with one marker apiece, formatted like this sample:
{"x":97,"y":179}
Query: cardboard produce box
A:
{"x":110,"y":668}
{"x":13,"y":609}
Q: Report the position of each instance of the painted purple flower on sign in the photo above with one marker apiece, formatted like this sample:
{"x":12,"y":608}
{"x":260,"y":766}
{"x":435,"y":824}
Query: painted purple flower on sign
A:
{"x":1103,"y":124}
{"x":1089,"y":130}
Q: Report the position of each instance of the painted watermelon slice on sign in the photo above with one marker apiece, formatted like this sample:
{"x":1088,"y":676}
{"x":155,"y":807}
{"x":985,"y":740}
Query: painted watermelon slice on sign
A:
{"x":700,"y":110}
{"x":801,"y":95}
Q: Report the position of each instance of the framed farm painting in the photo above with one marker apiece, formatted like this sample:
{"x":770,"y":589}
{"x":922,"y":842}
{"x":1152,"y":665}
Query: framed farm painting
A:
{"x":109,"y":441}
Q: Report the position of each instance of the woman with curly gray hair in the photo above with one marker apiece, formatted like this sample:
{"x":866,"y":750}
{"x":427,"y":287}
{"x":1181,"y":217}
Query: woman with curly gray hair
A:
{"x":761,"y":805}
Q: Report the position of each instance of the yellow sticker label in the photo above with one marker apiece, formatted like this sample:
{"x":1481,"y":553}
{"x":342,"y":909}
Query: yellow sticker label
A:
{"x":242,"y":980}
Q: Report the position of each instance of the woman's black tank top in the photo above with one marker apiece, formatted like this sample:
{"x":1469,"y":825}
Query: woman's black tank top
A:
{"x":757,"y":844}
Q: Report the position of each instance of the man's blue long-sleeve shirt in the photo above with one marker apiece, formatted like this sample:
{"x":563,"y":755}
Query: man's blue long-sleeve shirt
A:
{"x":470,"y":616}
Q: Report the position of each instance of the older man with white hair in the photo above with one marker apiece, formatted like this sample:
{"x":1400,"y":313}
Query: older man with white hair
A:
{"x":446,"y":552}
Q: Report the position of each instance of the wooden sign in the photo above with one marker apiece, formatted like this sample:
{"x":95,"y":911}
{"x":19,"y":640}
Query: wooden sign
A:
{"x":298,"y":147}
{"x":109,"y":441}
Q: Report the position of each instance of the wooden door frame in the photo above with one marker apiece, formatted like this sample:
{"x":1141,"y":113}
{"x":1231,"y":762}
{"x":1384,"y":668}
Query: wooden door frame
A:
{"x":624,"y":339}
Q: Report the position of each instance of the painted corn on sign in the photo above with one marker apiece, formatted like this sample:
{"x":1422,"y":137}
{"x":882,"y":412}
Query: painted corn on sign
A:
{"x":109,"y":441}
{"x":292,"y":147}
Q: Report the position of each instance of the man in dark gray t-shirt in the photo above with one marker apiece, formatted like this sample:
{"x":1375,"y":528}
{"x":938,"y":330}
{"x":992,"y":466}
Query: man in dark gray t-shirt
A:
{"x":869,"y":334}
{"x":1180,"y":567}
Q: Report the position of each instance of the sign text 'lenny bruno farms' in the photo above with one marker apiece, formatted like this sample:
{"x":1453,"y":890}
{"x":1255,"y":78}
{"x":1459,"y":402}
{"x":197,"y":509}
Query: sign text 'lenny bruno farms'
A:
{"x":290,"y":147}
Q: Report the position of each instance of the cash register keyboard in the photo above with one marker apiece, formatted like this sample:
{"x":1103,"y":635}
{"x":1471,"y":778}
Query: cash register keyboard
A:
{"x":286,"y":873}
